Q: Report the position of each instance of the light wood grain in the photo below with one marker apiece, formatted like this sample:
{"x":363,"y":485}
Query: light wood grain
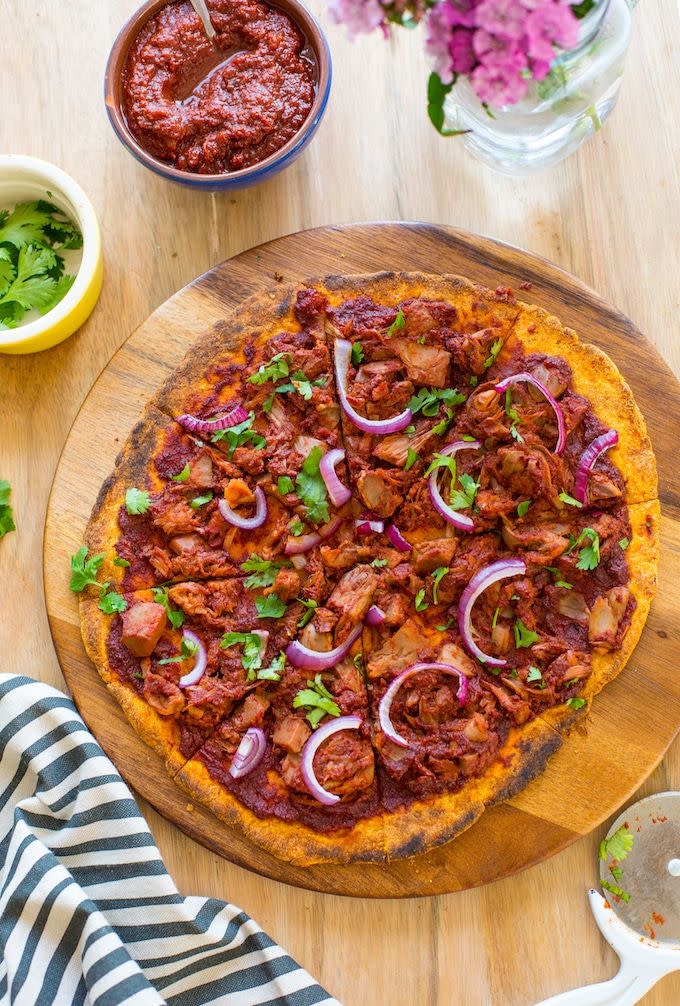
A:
{"x":585,"y":782}
{"x":610,"y":215}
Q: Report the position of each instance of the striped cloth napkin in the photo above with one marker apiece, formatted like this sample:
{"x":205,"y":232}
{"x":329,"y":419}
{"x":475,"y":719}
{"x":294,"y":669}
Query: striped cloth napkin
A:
{"x":88,"y":913}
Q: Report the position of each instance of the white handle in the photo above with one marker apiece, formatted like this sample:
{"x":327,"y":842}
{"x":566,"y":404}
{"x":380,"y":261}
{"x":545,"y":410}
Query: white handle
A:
{"x":625,"y":989}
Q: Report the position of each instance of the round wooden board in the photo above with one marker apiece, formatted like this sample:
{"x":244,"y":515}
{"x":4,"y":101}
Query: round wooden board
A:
{"x":631,"y":724}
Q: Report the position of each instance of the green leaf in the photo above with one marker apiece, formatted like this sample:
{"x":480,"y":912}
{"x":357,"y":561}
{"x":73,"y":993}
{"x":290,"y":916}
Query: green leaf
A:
{"x":523,"y":507}
{"x":278,"y":367}
{"x":175,"y":617}
{"x":581,"y":9}
{"x":137,"y":501}
{"x":411,"y":458}
{"x":296,"y":528}
{"x":523,"y":637}
{"x":445,"y":626}
{"x":183,"y":475}
{"x":379,"y":563}
{"x":589,"y":556}
{"x":436,"y":93}
{"x":398,"y":323}
{"x":576,"y":703}
{"x":618,"y":892}
{"x":6,"y":515}
{"x":463,"y":498}
{"x":240,"y":435}
{"x":264,"y":571}
{"x":270,"y":607}
{"x":119,"y":561}
{"x":357,"y":353}
{"x":318,"y":700}
{"x":618,"y":845}
{"x":512,"y":414}
{"x":437,"y":576}
{"x":493,"y":353}
{"x":199,"y":501}
{"x":420,"y":602}
{"x":442,"y":461}
{"x":566,"y":498}
{"x":534,"y":674}
{"x":273,"y":672}
{"x":7,"y":272}
{"x":84,"y":570}
{"x":428,"y":400}
{"x":111,"y":602}
{"x":624,"y":543}
{"x":308,"y":615}
{"x":473,"y":381}
{"x":24,"y":225}
{"x":555,"y":81}
{"x":32,"y":286}
{"x":285,"y":485}
{"x":311,"y":488}
{"x":253,"y":650}
{"x":186,"y":652}
{"x":440,"y":428}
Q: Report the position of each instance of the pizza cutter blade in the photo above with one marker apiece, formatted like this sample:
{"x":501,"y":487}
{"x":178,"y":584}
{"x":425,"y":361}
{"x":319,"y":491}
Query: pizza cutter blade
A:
{"x":642,"y":921}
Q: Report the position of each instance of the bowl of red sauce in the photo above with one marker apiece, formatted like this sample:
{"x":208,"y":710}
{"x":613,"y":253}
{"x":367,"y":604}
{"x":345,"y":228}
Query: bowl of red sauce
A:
{"x":220,"y":113}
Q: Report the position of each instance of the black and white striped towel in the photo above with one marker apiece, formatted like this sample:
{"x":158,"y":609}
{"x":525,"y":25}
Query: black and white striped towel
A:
{"x":88,"y":913}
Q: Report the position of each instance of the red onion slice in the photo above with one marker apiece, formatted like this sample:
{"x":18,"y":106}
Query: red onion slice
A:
{"x":246,"y":523}
{"x":249,"y":753}
{"x":315,"y":660}
{"x":339,"y":493}
{"x":592,"y":452}
{"x":459,"y":520}
{"x":366,"y":525}
{"x":296,"y":546}
{"x":397,"y":539}
{"x":484,"y":578}
{"x":375,"y":615}
{"x":312,"y":746}
{"x":237,"y":414}
{"x":200,"y":661}
{"x":530,"y":379}
{"x":343,"y":355}
{"x":388,"y":698}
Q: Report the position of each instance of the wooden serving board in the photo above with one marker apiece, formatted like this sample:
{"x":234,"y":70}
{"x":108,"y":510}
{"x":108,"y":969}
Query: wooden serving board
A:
{"x":631,"y":724}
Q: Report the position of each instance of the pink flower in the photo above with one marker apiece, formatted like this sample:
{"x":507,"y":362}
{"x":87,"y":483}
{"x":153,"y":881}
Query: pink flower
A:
{"x":496,"y":86}
{"x":550,"y":24}
{"x":505,"y":18}
{"x":360,"y":16}
{"x":463,"y":58}
{"x":438,"y":27}
{"x":462,"y":13}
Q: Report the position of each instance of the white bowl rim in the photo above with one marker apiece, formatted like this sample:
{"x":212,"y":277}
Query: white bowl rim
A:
{"x":35,"y":169}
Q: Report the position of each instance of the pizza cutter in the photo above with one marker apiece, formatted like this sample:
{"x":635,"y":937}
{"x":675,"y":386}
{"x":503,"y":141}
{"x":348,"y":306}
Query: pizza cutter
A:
{"x":644,"y":930}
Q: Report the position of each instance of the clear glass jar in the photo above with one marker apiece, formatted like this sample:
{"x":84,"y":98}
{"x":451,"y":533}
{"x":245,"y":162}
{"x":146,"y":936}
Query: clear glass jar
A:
{"x":558,"y":113}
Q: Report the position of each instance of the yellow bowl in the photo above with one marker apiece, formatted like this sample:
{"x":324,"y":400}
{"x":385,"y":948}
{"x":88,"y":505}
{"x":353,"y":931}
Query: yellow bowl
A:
{"x":24,"y":179}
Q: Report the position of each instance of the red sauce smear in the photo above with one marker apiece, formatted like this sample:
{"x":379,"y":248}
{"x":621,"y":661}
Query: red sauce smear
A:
{"x":214,"y":106}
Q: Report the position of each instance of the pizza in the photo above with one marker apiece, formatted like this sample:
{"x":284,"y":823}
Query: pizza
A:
{"x":368,"y":556}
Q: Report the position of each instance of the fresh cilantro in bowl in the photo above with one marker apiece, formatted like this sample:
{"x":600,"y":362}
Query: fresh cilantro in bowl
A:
{"x":33,"y":273}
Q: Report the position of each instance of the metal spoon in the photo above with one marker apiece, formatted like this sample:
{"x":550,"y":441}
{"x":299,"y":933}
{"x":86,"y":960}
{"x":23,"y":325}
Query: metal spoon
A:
{"x":201,"y":9}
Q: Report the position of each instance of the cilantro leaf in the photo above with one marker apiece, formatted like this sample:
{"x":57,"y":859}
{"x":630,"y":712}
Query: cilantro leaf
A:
{"x":175,"y":617}
{"x":183,"y":475}
{"x":618,"y":845}
{"x":624,"y":543}
{"x":24,"y":225}
{"x":437,"y":576}
{"x":442,"y":461}
{"x":463,"y":498}
{"x":119,"y":561}
{"x":566,"y":498}
{"x":357,"y":353}
{"x":379,"y":563}
{"x":589,"y":556}
{"x":420,"y":602}
{"x":199,"y":501}
{"x":523,"y":507}
{"x":512,"y":414}
{"x":240,"y":435}
{"x":273,"y":672}
{"x":84,"y":570}
{"x":111,"y":602}
{"x":576,"y":703}
{"x":308,"y":615}
{"x":187,"y":650}
{"x":318,"y":700}
{"x":523,"y":637}
{"x":253,"y":650}
{"x":34,"y":286}
{"x":398,"y":323}
{"x":264,"y":571}
{"x":428,"y":400}
{"x":445,"y":625}
{"x":278,"y":367}
{"x":311,"y":488}
{"x":270,"y":607}
{"x":534,"y":674}
{"x":137,"y":501}
{"x":285,"y":485}
{"x":296,"y":528}
{"x":6,"y":516}
{"x":493,"y":353}
{"x":411,"y":458}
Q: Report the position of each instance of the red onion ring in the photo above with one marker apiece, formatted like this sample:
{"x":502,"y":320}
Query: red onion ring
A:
{"x":388,"y":698}
{"x":530,"y":379}
{"x":459,"y":520}
{"x":339,"y":493}
{"x":343,"y":355}
{"x":315,"y":660}
{"x":397,"y":539}
{"x":365,"y":525}
{"x":237,"y":414}
{"x":200,"y":660}
{"x":592,"y":452}
{"x":296,"y":546}
{"x":246,"y":523}
{"x":375,"y":615}
{"x":312,"y":746}
{"x":482,"y":579}
{"x":249,"y":753}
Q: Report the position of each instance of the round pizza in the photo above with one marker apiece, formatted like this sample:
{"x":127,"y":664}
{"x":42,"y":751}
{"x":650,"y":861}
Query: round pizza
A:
{"x":367,"y":557}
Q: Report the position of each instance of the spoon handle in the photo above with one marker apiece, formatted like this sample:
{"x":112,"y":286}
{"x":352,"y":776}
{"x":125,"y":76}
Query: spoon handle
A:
{"x":201,"y":9}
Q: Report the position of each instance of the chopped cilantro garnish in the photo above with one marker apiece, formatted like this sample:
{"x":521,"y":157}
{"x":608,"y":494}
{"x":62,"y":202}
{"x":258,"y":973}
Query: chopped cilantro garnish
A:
{"x":270,"y":607}
{"x":617,"y":846}
{"x":111,"y":602}
{"x":589,"y":556}
{"x":296,"y":528}
{"x":439,"y":429}
{"x":278,"y":367}
{"x":186,"y":652}
{"x":420,"y":602}
{"x":463,"y":498}
{"x":512,"y":414}
{"x":273,"y":672}
{"x":199,"y":501}
{"x":442,"y":461}
{"x":308,"y":615}
{"x":137,"y":501}
{"x":285,"y":485}
{"x":357,"y":353}
{"x":6,"y":516}
{"x":494,"y":620}
{"x":411,"y":458}
{"x":379,"y":563}
{"x":175,"y":616}
{"x":263,"y":571}
{"x":398,"y":323}
{"x":311,"y":488}
{"x":473,"y":381}
{"x":299,"y":382}
{"x":318,"y":700}
{"x":566,"y":498}
{"x":437,"y":576}
{"x":624,"y":543}
{"x":493,"y":353}
{"x":558,"y":581}
{"x":358,"y":662}
{"x":445,"y":626}
{"x":534,"y":674}
{"x":410,"y":430}
{"x":523,"y":637}
{"x":119,"y":561}
{"x":268,"y":403}
{"x":428,"y":400}
{"x":523,"y":507}
{"x":183,"y":475}
{"x":576,"y":703}
{"x":253,"y":650}
{"x":84,"y":570}
{"x":240,"y":435}
{"x":618,"y":892}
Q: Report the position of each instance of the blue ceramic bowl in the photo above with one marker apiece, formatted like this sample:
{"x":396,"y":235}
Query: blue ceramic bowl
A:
{"x":234,"y":179}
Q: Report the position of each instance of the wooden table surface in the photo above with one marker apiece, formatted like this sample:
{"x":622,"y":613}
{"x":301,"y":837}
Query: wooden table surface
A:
{"x":610,"y":214}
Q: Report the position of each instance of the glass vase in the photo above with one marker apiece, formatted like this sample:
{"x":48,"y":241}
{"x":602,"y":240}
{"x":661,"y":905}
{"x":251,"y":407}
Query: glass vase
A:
{"x":558,"y":113}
